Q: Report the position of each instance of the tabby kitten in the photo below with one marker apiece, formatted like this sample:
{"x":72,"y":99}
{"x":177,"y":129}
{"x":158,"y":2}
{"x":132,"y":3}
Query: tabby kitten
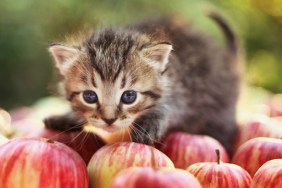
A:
{"x":152,"y":77}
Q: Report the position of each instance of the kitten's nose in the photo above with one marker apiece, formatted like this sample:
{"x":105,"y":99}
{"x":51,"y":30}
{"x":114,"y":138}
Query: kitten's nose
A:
{"x":109,"y":121}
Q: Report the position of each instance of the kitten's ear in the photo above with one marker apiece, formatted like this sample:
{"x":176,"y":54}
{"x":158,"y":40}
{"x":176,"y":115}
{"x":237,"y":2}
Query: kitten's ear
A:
{"x":158,"y":54}
{"x":63,"y":56}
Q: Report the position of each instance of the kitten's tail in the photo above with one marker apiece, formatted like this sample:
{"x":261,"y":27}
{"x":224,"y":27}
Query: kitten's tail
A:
{"x":230,"y":36}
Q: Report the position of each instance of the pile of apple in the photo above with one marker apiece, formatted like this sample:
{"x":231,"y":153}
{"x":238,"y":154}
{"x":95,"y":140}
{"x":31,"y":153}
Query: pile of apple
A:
{"x":33,"y":156}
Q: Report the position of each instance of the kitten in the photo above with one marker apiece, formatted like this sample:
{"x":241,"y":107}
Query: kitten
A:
{"x":153,"y":77}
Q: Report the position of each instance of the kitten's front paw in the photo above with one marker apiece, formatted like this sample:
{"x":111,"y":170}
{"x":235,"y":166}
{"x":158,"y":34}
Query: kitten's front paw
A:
{"x":68,"y":122}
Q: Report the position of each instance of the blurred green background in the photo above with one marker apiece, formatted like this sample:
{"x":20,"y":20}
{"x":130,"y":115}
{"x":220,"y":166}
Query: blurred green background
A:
{"x":28,"y":26}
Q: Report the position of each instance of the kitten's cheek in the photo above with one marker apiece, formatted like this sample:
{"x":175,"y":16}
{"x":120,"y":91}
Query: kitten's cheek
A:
{"x":124,"y":124}
{"x":87,"y":115}
{"x":93,"y":121}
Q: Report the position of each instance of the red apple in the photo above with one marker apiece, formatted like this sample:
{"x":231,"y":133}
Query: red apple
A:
{"x":259,"y":126}
{"x":138,"y":177}
{"x":255,"y":152}
{"x":111,"y":159}
{"x":220,"y":175}
{"x":40,"y":163}
{"x":85,"y":144}
{"x":185,"y":149}
{"x":269,"y":175}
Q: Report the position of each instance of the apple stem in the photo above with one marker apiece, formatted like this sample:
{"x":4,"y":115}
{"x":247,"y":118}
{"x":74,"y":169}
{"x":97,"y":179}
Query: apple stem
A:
{"x":153,"y":160}
{"x":50,"y":141}
{"x":217,"y":155}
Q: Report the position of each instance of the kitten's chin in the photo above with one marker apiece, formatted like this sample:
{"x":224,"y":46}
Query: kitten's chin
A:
{"x":118,"y":126}
{"x":111,"y":128}
{"x":108,"y":128}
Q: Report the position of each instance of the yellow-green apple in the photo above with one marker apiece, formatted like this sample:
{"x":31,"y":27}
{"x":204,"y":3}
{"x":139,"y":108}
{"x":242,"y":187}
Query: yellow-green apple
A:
{"x":141,"y":177}
{"x":84,"y":143}
{"x":40,"y":163}
{"x":275,"y":105}
{"x":220,"y":175}
{"x":255,"y":152}
{"x":50,"y":106}
{"x":24,"y":127}
{"x":3,"y":140}
{"x":111,"y":159}
{"x":185,"y":149}
{"x":259,"y":126}
{"x":269,"y":175}
{"x":5,"y":122}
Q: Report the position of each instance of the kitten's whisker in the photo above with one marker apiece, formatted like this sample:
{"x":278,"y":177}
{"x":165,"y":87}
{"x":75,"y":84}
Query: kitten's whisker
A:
{"x":122,"y":138}
{"x":83,"y":140}
{"x":159,"y":142}
{"x":140,"y":127}
{"x":96,"y":136}
{"x":72,"y":140}
{"x":67,"y":130}
{"x":137,"y":132}
{"x":153,"y":140}
{"x":76,"y":126}
{"x":143,"y":131}
{"x":146,"y":132}
{"x":129,"y":135}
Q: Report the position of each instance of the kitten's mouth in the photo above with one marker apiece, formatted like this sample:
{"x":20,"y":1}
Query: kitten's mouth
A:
{"x":111,"y":128}
{"x":115,"y":127}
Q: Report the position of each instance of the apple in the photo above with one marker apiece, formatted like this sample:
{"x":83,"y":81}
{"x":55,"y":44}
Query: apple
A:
{"x":275,"y":105}
{"x":34,"y":163}
{"x":21,"y":113}
{"x":84,"y":143}
{"x":3,"y":139}
{"x":185,"y":149}
{"x":5,"y":122}
{"x":50,"y":106}
{"x":24,"y":127}
{"x":258,"y":126}
{"x":220,"y":175}
{"x":269,"y":175}
{"x":255,"y":152}
{"x":252,"y":100}
{"x":138,"y":177}
{"x":111,"y":159}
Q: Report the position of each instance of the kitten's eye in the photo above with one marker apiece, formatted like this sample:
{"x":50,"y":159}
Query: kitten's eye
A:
{"x":90,"y":96}
{"x":128,"y":97}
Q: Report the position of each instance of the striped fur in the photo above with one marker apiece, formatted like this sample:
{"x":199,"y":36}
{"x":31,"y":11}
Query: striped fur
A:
{"x":193,"y":88}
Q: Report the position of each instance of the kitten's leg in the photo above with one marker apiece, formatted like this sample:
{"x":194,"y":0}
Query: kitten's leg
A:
{"x":148,"y":129}
{"x":67,"y":122}
{"x":223,"y":132}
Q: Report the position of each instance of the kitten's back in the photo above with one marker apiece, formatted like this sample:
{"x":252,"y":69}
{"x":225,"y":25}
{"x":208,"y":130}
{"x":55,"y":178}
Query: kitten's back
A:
{"x":204,"y":77}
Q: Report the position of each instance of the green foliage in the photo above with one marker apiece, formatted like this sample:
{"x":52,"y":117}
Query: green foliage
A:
{"x":27,"y":27}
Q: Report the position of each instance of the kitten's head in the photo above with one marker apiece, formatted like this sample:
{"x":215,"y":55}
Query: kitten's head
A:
{"x":113,"y":77}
